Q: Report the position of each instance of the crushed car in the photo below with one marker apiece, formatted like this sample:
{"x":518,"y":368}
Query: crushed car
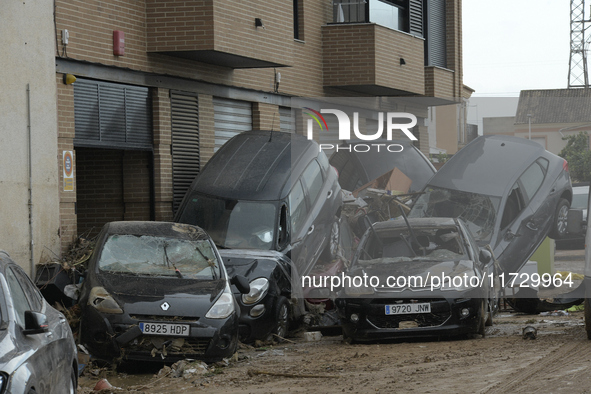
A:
{"x":271,"y":306}
{"x":158,"y":291}
{"x":268,"y":190}
{"x":417,"y":277}
{"x":510,"y":192}
{"x":37,"y":349}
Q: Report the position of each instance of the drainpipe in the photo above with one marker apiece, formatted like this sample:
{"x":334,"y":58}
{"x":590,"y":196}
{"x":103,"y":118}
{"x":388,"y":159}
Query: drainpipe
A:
{"x":32,"y":263}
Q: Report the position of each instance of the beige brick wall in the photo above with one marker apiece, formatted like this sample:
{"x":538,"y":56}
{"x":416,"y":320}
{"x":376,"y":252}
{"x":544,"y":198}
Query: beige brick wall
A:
{"x":439,"y":82}
{"x":265,"y":117}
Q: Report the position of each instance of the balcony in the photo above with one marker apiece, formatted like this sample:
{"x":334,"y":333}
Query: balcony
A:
{"x":373,"y":59}
{"x":222,"y":32}
{"x":439,"y":82}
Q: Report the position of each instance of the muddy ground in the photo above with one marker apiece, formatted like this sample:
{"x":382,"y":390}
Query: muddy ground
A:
{"x":557,"y":361}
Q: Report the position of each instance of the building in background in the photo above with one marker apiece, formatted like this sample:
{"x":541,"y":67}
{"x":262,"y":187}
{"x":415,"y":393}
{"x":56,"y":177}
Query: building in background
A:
{"x":160,"y":85}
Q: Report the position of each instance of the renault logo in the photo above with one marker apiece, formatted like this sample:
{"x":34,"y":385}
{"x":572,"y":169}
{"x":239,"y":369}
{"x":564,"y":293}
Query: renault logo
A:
{"x":165,"y":305}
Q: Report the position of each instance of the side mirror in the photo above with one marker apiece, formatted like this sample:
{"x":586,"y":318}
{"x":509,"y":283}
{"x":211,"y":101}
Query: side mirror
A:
{"x":484,"y":256}
{"x":241,"y":283}
{"x":35,"y":323}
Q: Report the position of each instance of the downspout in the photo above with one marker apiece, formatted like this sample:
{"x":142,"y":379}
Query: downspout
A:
{"x":32,"y":263}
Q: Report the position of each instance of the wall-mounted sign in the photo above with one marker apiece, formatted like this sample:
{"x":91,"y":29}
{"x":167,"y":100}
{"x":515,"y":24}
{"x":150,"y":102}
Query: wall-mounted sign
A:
{"x":68,"y":166}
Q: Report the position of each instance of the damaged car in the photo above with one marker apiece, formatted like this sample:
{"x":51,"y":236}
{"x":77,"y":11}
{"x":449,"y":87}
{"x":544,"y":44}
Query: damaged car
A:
{"x":418,"y":278}
{"x":271,"y":305}
{"x":510,"y":192}
{"x":158,"y":291}
{"x":268,"y":190}
{"x":37,"y":349}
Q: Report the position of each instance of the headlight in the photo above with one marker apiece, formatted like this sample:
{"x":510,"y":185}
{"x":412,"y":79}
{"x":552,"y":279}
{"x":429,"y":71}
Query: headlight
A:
{"x":3,"y":382}
{"x":102,"y":301}
{"x":258,"y":289}
{"x":224,"y":306}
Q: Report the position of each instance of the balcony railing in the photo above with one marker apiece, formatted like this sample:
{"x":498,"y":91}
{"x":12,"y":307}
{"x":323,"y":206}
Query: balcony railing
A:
{"x":374,"y":11}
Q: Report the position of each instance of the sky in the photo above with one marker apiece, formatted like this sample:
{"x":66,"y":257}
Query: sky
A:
{"x":513,"y":45}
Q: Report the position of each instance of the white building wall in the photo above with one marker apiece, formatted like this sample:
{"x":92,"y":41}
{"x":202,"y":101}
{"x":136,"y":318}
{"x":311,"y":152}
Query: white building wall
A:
{"x":28,"y":58}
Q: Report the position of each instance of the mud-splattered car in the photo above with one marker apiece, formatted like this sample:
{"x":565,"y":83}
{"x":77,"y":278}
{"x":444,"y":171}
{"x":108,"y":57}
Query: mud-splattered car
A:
{"x":510,"y":192}
{"x":158,"y":291}
{"x":427,"y":277}
{"x":37,"y":349}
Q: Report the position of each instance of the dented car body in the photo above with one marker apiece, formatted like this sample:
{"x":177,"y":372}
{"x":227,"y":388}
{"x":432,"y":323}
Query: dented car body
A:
{"x":510,"y":192}
{"x":157,"y":291}
{"x":432,"y":280}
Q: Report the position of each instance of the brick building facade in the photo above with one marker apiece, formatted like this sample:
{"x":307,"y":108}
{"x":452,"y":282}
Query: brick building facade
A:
{"x":194,"y":72}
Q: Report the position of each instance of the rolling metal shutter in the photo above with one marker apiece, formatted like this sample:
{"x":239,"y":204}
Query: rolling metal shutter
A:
{"x":231,"y":117}
{"x":185,"y":143}
{"x":415,"y":9}
{"x":436,"y":54}
{"x":112,"y":115}
{"x":286,"y":119}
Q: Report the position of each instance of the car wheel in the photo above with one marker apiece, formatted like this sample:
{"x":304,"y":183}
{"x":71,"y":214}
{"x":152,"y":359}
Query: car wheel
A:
{"x":281,"y":318}
{"x":482,"y":323}
{"x":490,"y":313}
{"x":588,"y":317}
{"x":560,"y":219}
{"x":334,"y":241}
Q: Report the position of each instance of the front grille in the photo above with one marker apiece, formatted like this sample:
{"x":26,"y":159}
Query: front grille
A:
{"x":170,"y":319}
{"x":171,"y":346}
{"x":440,"y":313}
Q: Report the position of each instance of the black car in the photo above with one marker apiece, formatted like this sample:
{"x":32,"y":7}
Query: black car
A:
{"x":510,"y":192}
{"x":357,"y":168}
{"x":37,"y":349}
{"x":421,"y":279}
{"x":269,"y":191}
{"x":267,"y":310}
{"x":158,"y":291}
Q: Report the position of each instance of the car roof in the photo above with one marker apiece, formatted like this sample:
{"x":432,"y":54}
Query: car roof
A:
{"x":253,"y":254}
{"x":157,"y":229}
{"x":256,"y":165}
{"x":501,"y":159}
{"x":417,"y":222}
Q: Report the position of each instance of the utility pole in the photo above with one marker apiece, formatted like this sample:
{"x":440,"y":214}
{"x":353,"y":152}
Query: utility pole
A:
{"x":577,"y":65}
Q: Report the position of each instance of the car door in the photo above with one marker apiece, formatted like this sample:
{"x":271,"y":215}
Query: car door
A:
{"x":298,"y":209}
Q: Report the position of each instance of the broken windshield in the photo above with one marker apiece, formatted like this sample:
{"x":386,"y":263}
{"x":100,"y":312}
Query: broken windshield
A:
{"x":159,"y":256}
{"x":233,"y":223}
{"x":434,"y":244}
{"x":477,"y":210}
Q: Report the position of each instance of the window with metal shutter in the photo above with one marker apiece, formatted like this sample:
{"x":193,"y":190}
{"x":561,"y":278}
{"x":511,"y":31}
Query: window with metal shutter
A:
{"x":416,"y":17}
{"x":231,"y":117}
{"x":287,"y":121}
{"x":112,"y":115}
{"x":435,"y":45}
{"x":185,"y":143}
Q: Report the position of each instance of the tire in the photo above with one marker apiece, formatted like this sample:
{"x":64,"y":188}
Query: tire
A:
{"x":490,"y":313}
{"x":482,"y":324}
{"x":588,"y":317}
{"x":559,"y":221}
{"x":73,"y":388}
{"x":281,"y":319}
{"x":331,"y":251}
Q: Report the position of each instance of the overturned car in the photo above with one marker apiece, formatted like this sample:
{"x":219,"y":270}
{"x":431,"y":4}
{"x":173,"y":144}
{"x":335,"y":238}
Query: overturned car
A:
{"x":427,"y":277}
{"x":158,"y":291}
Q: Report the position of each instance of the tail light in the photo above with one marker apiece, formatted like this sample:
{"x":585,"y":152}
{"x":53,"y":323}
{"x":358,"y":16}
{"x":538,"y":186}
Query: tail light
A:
{"x":565,"y":165}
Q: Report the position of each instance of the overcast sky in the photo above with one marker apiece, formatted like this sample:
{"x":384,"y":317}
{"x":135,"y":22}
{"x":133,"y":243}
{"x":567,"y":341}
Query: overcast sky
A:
{"x":513,"y":45}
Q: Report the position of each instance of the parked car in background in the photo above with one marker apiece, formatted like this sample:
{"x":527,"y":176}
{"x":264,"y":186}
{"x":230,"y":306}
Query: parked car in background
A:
{"x":158,"y":291}
{"x":587,"y":280}
{"x":37,"y":350}
{"x":267,"y":310}
{"x":269,"y":191}
{"x":411,"y":298}
{"x":575,"y":235}
{"x":356,"y":169}
{"x":510,"y":192}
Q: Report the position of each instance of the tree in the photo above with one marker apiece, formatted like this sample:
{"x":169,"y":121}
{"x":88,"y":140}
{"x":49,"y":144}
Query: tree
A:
{"x":577,"y":154}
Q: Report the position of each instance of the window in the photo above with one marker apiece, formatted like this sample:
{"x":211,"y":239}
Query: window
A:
{"x":533,"y":177}
{"x":513,"y":207}
{"x":297,"y":16}
{"x":297,"y":207}
{"x":312,"y":178}
{"x":392,"y":14}
{"x":19,"y":299}
{"x":33,"y":295}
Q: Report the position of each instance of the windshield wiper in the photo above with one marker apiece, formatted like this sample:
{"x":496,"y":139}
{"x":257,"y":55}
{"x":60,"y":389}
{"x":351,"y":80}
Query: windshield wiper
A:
{"x":176,"y":270}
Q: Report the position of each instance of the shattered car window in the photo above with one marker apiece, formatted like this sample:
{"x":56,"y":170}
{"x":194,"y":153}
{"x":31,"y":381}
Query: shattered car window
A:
{"x":477,"y":210}
{"x":428,"y":244}
{"x":233,"y":223}
{"x":158,"y":256}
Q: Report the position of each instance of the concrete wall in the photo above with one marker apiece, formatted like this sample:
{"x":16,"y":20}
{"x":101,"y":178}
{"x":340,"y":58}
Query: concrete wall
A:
{"x":28,"y":51}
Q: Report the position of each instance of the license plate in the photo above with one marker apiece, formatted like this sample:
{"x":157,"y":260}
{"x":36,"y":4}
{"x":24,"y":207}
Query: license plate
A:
{"x":168,"y":329}
{"x":404,"y":309}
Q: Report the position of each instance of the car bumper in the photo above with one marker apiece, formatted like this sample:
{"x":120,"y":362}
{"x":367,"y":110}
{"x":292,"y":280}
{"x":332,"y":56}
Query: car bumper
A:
{"x":445,"y":319}
{"x":257,"y":320}
{"x":112,"y":336}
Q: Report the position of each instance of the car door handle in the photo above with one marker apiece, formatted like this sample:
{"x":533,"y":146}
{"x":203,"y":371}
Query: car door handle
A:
{"x":531,"y":225}
{"x":329,"y":195}
{"x":311,"y":229}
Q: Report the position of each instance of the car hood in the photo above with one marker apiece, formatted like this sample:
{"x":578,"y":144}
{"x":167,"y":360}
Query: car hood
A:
{"x":423,"y":269}
{"x":250,"y":268}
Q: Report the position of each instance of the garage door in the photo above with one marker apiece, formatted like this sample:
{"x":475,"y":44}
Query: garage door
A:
{"x":111,"y":115}
{"x":231,"y":117}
